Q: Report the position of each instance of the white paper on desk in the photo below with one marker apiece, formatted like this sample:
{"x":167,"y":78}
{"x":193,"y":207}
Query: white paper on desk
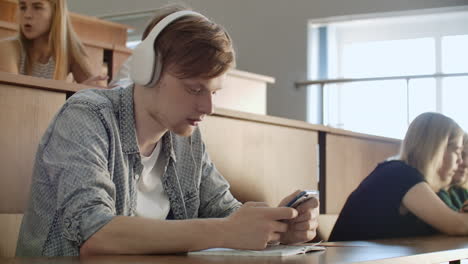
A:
{"x":279,"y":250}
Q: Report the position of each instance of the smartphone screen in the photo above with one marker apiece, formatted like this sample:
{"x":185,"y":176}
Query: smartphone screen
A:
{"x":302,"y":197}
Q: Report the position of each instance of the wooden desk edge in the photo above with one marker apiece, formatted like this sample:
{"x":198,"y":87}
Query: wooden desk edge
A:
{"x":297,"y":124}
{"x":252,"y":76}
{"x":8,"y":25}
{"x":62,"y":86}
{"x":40,"y":83}
{"x":430,"y":257}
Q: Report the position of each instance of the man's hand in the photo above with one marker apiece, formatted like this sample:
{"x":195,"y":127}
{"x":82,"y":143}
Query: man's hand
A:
{"x":303,"y":227}
{"x":464,"y":208}
{"x":254,"y":225}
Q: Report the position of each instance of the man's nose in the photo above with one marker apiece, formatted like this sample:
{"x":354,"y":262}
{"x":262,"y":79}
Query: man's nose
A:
{"x":205,"y":105}
{"x":27,"y":12}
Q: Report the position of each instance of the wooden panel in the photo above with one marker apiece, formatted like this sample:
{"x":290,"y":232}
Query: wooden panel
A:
{"x":9,"y":230}
{"x":262,"y":162}
{"x":348,"y":161}
{"x":244,"y":91}
{"x":93,"y":29}
{"x":8,"y":29}
{"x":40,"y":83}
{"x":6,"y":33}
{"x":8,"y":11}
{"x":118,"y":58}
{"x":24,"y":116}
{"x":326,"y":224}
{"x":273,"y":120}
{"x":96,"y":57}
{"x":243,"y":94}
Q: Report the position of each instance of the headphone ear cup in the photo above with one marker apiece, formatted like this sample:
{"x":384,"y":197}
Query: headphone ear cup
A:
{"x":156,"y":71}
{"x":141,"y":64}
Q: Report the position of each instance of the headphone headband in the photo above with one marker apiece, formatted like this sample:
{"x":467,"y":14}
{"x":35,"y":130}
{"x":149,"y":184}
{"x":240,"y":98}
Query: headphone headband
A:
{"x":145,"y":64}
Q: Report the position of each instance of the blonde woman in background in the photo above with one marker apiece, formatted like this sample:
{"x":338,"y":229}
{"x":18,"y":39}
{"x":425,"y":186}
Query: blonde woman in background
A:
{"x":456,"y":195}
{"x":47,"y":45}
{"x":398,"y":199}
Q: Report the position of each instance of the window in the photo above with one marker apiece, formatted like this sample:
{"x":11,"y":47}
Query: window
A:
{"x":386,"y":47}
{"x":455,"y":92}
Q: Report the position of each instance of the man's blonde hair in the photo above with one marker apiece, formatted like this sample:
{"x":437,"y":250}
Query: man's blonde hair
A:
{"x":426,"y":140}
{"x":192,"y":46}
{"x":65,"y":44}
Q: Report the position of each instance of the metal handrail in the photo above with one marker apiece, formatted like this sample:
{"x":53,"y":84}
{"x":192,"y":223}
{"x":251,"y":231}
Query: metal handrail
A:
{"x":322,"y":84}
{"x":402,"y":77}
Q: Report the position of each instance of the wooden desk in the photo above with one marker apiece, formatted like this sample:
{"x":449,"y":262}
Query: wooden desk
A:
{"x":263,"y":150}
{"x":435,"y":249}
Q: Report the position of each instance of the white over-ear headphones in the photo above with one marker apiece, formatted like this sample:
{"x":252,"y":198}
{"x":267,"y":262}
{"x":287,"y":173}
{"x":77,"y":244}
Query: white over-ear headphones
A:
{"x":145,"y":64}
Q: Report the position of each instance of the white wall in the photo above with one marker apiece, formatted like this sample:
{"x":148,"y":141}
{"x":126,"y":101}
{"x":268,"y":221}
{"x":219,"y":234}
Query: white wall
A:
{"x":270,"y":36}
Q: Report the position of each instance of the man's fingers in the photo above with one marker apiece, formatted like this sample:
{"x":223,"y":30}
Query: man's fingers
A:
{"x":280,"y":213}
{"x":288,"y":198}
{"x":280,"y":227}
{"x":311,"y":203}
{"x":304,"y":226}
{"x":256,"y":204}
{"x":310,"y":214}
{"x":299,"y":237}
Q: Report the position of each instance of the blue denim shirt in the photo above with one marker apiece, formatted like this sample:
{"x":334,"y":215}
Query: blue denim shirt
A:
{"x":87,"y":166}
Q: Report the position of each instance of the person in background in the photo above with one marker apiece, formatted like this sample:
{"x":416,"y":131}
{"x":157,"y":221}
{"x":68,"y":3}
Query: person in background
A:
{"x":456,"y":195}
{"x":126,"y":171}
{"x":47,"y":46}
{"x":398,"y":198}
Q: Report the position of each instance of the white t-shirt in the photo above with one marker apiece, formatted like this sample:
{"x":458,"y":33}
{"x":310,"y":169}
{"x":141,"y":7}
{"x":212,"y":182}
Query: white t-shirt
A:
{"x":152,"y":200}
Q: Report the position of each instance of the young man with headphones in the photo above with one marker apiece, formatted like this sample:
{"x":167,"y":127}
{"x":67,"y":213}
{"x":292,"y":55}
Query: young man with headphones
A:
{"x":115,"y":165}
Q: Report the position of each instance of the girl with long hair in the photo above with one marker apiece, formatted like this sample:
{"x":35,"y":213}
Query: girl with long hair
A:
{"x":456,"y":195}
{"x":47,"y":46}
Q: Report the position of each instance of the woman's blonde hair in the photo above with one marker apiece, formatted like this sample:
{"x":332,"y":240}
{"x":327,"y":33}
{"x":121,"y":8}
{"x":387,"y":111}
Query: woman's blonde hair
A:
{"x":65,"y":44}
{"x":426,"y":140}
{"x":464,"y":184}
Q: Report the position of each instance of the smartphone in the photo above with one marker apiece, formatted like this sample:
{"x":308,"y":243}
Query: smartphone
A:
{"x":302,"y":197}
